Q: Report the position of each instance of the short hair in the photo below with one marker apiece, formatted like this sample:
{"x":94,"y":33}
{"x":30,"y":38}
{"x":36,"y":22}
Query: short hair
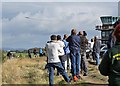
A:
{"x":73,"y":31}
{"x":80,"y":33}
{"x":117,"y":32}
{"x":53,"y":37}
{"x":58,"y":37}
{"x":65,"y":36}
{"x":92,"y":40}
{"x":84,"y":33}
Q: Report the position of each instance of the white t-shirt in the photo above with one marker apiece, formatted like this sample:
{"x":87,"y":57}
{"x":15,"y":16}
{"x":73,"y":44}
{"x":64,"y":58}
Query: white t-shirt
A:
{"x":52,"y":49}
{"x":62,"y":45}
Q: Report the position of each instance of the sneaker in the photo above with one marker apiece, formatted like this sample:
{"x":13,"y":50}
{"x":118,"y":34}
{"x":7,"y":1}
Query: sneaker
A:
{"x":78,"y":76}
{"x":58,"y":74}
{"x":85,"y":74}
{"x":75,"y":78}
{"x":71,"y":78}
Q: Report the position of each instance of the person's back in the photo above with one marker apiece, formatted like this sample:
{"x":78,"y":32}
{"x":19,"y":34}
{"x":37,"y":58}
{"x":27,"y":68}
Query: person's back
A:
{"x":110,"y":64}
{"x":96,"y":46}
{"x":52,"y":50}
{"x":74,"y":46}
{"x":66,"y":48}
{"x":96,"y":50}
{"x":61,"y":44}
{"x":74,"y":42}
{"x":114,"y":76}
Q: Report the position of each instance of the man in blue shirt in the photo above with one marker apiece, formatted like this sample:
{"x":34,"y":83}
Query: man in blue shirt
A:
{"x":74,"y":45}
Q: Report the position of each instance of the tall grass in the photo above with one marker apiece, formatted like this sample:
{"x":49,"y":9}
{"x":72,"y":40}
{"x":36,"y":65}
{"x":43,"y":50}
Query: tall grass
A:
{"x":32,"y":71}
{"x":24,"y":71}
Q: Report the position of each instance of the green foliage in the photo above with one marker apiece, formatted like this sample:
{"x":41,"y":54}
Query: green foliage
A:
{"x":4,"y":56}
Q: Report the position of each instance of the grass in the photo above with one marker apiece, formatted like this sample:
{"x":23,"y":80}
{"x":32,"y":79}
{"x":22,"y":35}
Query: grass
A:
{"x":31,"y":71}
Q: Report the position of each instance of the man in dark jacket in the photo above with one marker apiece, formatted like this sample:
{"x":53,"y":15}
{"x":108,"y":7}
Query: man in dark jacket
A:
{"x":84,"y":43}
{"x":110,"y":64}
{"x":74,"y":46}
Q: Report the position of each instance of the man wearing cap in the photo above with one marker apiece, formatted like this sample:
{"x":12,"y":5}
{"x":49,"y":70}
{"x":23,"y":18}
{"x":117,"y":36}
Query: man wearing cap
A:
{"x":110,"y":64}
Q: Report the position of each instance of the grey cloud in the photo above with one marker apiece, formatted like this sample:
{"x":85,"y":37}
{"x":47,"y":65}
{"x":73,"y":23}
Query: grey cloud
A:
{"x":49,"y":18}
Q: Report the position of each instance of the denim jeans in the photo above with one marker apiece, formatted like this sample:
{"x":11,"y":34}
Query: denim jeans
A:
{"x":97,"y":58}
{"x":75,"y":62}
{"x":60,"y":69}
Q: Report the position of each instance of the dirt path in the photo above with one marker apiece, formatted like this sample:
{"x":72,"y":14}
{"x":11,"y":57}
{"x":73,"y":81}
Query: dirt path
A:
{"x":94,"y":76}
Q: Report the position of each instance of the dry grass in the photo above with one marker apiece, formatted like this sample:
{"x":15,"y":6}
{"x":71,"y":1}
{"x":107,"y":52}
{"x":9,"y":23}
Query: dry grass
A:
{"x":24,"y":71}
{"x":31,"y":71}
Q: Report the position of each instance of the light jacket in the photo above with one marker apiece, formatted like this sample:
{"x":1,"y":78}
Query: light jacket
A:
{"x":53,"y":49}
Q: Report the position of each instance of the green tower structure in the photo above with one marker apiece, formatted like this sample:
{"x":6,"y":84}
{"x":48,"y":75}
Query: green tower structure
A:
{"x":107,"y":27}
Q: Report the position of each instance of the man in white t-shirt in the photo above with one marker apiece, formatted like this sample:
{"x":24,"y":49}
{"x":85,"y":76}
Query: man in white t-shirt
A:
{"x":53,"y":49}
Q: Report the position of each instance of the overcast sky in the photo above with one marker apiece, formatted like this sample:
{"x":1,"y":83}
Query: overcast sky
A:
{"x":46,"y":18}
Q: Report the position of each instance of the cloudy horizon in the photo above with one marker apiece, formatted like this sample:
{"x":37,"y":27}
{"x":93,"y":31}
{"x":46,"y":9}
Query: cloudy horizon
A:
{"x":30,"y":24}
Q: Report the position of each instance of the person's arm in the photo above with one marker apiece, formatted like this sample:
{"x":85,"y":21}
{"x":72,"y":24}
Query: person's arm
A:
{"x":104,"y":65}
{"x":68,"y":39}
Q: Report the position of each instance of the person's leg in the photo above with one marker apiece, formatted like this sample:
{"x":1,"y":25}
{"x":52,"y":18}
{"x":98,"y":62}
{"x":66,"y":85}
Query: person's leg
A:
{"x":85,"y":66}
{"x":66,"y":66}
{"x":73,"y":63}
{"x":81,"y":64}
{"x":51,"y":75}
{"x":93,"y":55}
{"x":97,"y":59}
{"x":61,"y":70}
{"x":78,"y":61}
{"x":68,"y":62}
{"x":62,"y":65}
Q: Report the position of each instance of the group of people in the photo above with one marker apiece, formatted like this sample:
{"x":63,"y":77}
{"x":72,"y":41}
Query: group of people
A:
{"x":37,"y":53}
{"x":72,"y":49}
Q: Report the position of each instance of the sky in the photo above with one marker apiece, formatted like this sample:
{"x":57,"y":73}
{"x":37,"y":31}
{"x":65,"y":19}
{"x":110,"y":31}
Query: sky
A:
{"x":47,"y":18}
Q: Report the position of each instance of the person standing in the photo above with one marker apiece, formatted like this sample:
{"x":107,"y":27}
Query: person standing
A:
{"x":9,"y":55}
{"x":61,"y":52}
{"x":67,"y":53}
{"x":91,"y":48}
{"x":41,"y":52}
{"x":110,"y":64}
{"x":29,"y":54}
{"x":96,"y":50}
{"x":84,"y":43}
{"x":53,"y":49}
{"x":74,"y":45}
{"x":35,"y":52}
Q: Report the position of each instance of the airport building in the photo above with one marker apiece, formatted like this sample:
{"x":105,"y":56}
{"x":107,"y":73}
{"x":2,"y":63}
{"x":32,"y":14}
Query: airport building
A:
{"x":107,"y":27}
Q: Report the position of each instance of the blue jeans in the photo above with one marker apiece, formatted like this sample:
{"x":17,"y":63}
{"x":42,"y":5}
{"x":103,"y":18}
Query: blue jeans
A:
{"x":60,"y":69}
{"x":97,"y":58}
{"x":75,"y":62}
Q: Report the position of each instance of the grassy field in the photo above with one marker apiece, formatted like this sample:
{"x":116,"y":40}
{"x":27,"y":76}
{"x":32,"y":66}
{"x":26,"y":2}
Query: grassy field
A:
{"x":32,"y":71}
